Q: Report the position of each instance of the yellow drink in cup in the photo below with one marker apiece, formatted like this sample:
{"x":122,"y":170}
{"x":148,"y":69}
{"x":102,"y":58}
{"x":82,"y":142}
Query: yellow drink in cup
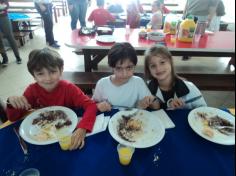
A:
{"x":173,"y":39}
{"x":125,"y":154}
{"x":64,"y":141}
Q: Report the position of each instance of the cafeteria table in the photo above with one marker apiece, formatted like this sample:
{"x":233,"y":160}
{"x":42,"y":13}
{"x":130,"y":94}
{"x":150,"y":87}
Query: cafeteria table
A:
{"x":181,"y":152}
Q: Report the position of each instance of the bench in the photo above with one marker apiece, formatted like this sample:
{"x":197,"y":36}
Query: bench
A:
{"x":217,"y":82}
{"x":27,"y":6}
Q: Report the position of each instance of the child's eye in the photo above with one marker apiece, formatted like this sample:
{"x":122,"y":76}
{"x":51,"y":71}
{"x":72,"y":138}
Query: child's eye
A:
{"x":39,"y":74}
{"x":53,"y":71}
{"x":163,"y":62}
{"x":152,"y":66}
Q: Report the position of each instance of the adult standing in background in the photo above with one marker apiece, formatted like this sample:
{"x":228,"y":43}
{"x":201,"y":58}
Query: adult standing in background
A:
{"x":44,"y":7}
{"x":6,"y":29}
{"x":134,"y":8}
{"x":215,"y":22}
{"x":78,"y":10}
{"x":203,"y":10}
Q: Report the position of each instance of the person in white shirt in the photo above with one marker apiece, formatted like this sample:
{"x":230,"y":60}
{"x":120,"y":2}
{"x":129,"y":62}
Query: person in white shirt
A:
{"x":122,"y":88}
{"x":156,"y":20}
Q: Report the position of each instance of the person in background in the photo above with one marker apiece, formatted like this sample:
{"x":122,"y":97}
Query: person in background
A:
{"x":3,"y":115}
{"x":6,"y":30}
{"x":46,"y":66}
{"x":44,"y":7}
{"x":163,"y":82}
{"x":78,"y":10}
{"x":122,"y":88}
{"x":134,"y":9}
{"x":164,"y":9}
{"x":101,"y":16}
{"x":215,"y":22}
{"x":156,"y":20}
{"x":202,"y":10}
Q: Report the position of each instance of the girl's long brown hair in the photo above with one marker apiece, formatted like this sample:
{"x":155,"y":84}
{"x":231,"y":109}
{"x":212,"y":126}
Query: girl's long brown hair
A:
{"x":159,"y":51}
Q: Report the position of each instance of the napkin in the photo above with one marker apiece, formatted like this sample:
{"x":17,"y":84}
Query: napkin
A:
{"x":164,"y":118}
{"x":100,"y":124}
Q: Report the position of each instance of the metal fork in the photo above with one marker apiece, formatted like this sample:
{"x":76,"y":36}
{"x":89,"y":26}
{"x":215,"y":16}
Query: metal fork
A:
{"x":21,"y":141}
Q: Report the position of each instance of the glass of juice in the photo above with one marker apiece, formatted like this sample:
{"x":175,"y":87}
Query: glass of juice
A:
{"x":125,"y":154}
{"x":64,"y":140}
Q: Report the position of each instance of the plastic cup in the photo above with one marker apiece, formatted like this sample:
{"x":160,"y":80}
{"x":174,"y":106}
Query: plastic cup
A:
{"x":149,"y":28}
{"x":64,"y":141}
{"x":125,"y":154}
{"x":173,"y":38}
{"x":30,"y":172}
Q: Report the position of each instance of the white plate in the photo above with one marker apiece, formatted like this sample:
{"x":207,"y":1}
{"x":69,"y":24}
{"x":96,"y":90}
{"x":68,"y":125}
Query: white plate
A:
{"x":197,"y":125}
{"x":152,"y":133}
{"x":156,"y":36}
{"x":106,"y":38}
{"x":29,"y":131}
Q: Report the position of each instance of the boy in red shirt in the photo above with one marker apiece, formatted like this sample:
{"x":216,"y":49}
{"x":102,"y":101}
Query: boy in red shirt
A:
{"x":101,"y":16}
{"x":46,"y":66}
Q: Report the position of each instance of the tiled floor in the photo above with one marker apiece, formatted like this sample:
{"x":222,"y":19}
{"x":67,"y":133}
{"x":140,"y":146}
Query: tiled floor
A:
{"x":15,"y":78}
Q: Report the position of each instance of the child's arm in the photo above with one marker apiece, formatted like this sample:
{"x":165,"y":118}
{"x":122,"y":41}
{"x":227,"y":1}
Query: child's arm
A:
{"x":17,"y":107}
{"x":19,"y":102}
{"x":175,"y":103}
{"x":148,"y":101}
{"x":77,"y":140}
{"x":104,"y":106}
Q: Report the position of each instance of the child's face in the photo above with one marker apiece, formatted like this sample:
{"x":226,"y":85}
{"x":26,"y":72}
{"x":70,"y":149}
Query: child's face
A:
{"x":160,"y":68}
{"x":48,"y":79}
{"x":124,"y":71}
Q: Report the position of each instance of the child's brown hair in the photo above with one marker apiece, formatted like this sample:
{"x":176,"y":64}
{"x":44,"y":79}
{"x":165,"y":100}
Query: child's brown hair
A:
{"x":159,"y":51}
{"x":44,"y":58}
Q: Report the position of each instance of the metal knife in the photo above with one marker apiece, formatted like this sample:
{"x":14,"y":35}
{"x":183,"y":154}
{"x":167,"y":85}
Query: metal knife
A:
{"x":21,"y":141}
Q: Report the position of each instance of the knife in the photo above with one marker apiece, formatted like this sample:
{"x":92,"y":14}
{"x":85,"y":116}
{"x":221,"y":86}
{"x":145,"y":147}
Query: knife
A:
{"x":193,"y":99}
{"x":21,"y":141}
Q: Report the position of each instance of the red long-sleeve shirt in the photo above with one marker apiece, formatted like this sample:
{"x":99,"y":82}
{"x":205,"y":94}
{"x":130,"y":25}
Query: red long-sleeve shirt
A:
{"x":101,"y":16}
{"x":65,"y":94}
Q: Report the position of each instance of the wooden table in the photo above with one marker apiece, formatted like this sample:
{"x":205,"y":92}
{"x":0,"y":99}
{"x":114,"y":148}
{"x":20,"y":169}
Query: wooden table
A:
{"x":219,"y":44}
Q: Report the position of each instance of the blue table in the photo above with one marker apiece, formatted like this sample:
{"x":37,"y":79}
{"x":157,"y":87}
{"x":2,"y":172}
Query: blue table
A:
{"x":181,"y":152}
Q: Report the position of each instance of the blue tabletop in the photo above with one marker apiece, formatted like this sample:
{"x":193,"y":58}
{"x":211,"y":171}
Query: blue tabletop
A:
{"x":16,"y":16}
{"x":181,"y":152}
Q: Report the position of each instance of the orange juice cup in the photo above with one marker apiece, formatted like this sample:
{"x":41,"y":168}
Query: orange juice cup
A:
{"x":125,"y":154}
{"x":173,"y":38}
{"x":64,"y":141}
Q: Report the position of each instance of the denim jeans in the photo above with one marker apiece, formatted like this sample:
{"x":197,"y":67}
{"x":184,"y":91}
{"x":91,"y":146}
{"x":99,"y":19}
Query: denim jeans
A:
{"x":48,"y":22}
{"x":78,"y":13}
{"x":6,"y":29}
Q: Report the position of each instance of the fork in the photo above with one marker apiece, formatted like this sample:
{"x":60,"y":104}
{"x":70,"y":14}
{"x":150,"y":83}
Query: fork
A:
{"x":21,"y":141}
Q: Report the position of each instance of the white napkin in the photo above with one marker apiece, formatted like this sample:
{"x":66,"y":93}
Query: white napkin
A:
{"x":164,"y":118}
{"x":100,"y":124}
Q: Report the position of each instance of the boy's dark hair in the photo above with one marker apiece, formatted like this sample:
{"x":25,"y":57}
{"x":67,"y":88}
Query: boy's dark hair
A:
{"x":44,"y":58}
{"x":121,"y":52}
{"x":100,"y":2}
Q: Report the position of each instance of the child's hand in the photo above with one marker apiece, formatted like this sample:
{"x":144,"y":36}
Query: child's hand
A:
{"x":176,"y":103}
{"x":19,"y":102}
{"x":145,"y":102}
{"x":77,"y":139}
{"x":104,"y":106}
